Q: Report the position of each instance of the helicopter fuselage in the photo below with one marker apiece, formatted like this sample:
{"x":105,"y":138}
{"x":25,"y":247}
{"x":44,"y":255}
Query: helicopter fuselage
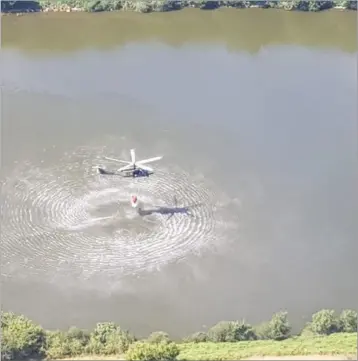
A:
{"x":133,"y":173}
{"x":136,"y":173}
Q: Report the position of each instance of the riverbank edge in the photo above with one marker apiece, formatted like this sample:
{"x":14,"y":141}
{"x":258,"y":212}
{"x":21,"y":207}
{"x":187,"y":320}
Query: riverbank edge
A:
{"x":326,"y":334}
{"x":312,"y":357}
{"x":46,"y":6}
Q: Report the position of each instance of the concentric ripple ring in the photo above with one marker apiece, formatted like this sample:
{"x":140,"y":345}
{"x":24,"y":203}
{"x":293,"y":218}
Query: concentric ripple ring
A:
{"x":67,"y":220}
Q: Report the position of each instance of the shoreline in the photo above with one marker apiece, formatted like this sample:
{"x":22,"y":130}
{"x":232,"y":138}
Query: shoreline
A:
{"x":18,"y":7}
{"x":312,"y":357}
{"x":327,"y":336}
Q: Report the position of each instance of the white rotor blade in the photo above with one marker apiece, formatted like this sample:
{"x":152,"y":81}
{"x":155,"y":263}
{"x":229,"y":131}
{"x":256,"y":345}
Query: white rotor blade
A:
{"x":149,"y":160}
{"x":118,"y":160}
{"x":133,"y":155}
{"x":128,"y":166}
{"x":144,"y":167}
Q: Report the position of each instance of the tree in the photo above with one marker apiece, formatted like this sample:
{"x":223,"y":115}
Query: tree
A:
{"x":21,"y":338}
{"x":72,"y":343}
{"x":348,"y":321}
{"x":231,"y":331}
{"x":109,"y":339}
{"x":324,"y":322}
{"x":278,"y":328}
{"x":244,"y":331}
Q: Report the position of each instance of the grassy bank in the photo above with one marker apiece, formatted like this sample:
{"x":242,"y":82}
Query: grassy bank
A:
{"x":342,"y":346}
{"x":326,"y":334}
{"x":147,"y":6}
{"x":336,"y":344}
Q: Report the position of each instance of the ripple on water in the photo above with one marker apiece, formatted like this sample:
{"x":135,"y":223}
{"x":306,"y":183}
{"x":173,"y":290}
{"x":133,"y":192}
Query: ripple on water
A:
{"x":67,"y":220}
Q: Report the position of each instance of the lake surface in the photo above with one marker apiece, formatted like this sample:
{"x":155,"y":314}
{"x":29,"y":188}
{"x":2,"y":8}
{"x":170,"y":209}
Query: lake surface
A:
{"x":255,"y":114}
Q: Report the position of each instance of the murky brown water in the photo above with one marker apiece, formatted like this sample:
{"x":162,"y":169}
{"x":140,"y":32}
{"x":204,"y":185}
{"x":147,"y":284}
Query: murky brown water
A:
{"x":255,"y":114}
{"x":248,"y":30}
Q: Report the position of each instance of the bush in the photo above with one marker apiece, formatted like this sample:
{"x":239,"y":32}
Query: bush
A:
{"x":197,"y":337}
{"x":21,"y":338}
{"x":108,"y":339}
{"x":222,"y":332}
{"x":347,"y":4}
{"x":348,"y":321}
{"x":324,"y":322}
{"x":158,"y":337}
{"x":153,"y":352}
{"x":244,"y":332}
{"x":229,"y":331}
{"x":277,"y":329}
{"x":263,"y":331}
{"x":307,"y":331}
{"x":66,"y":344}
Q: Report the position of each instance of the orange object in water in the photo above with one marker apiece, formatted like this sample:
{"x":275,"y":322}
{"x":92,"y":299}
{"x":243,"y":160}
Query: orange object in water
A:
{"x":134,"y":201}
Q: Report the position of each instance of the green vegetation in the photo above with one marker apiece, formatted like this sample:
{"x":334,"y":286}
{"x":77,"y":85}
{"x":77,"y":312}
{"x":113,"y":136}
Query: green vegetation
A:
{"x":338,"y":344}
{"x":147,"y":6}
{"x":326,"y":333}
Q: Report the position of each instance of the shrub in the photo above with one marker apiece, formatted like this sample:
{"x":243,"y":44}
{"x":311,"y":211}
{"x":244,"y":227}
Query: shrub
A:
{"x":197,"y":337}
{"x":222,"y":332}
{"x":78,"y":335}
{"x":278,"y":328}
{"x":307,"y":330}
{"x":66,"y":344}
{"x":229,"y":331}
{"x":347,"y":4}
{"x":263,"y":331}
{"x":348,"y":321}
{"x":153,"y":352}
{"x":108,"y":339}
{"x":324,"y":322}
{"x":244,"y":332}
{"x":21,"y":338}
{"x":158,"y":337}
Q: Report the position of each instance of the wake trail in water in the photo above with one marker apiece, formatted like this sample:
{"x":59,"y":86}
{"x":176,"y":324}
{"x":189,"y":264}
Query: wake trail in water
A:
{"x":66,"y":220}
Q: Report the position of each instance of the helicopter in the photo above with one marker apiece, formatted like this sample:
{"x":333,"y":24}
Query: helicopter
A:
{"x":133,"y":168}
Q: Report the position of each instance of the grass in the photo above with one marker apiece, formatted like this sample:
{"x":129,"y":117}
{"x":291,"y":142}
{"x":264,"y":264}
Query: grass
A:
{"x":92,"y":357}
{"x":340,"y":344}
{"x":336,"y":344}
{"x":23,"y":337}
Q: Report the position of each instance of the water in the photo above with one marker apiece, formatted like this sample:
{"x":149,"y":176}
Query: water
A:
{"x":255,"y":114}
